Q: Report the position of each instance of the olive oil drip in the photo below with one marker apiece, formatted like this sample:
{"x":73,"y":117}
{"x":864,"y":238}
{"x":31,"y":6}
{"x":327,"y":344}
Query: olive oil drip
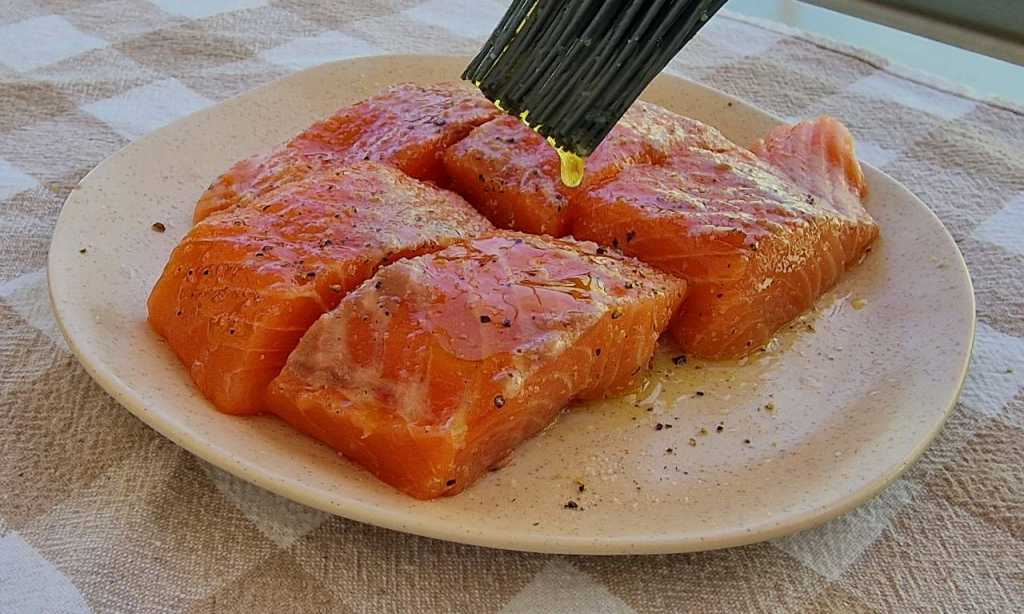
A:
{"x":571,"y":165}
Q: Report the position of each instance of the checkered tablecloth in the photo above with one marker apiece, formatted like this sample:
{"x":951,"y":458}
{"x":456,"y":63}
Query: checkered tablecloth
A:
{"x":99,"y":513}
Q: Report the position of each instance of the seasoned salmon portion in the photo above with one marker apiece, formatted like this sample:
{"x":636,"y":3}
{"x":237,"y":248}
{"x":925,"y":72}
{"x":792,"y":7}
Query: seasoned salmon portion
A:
{"x":758,"y":239}
{"x":433,"y":370}
{"x":408,"y":126}
{"x":511,"y":174}
{"x":818,"y":156}
{"x":244,"y":285}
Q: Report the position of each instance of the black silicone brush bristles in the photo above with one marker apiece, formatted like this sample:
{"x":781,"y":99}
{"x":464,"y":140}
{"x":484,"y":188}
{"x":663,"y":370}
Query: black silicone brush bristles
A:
{"x":575,"y":66}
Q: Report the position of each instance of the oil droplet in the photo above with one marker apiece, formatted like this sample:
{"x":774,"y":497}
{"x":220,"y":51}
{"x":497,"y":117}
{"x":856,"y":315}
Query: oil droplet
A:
{"x":652,"y":397}
{"x":570,"y":163}
{"x":858,"y":303}
{"x":572,"y":167}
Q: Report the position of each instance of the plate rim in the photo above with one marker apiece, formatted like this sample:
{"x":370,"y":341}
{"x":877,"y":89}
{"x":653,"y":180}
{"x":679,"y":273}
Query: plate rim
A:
{"x":381,"y":516}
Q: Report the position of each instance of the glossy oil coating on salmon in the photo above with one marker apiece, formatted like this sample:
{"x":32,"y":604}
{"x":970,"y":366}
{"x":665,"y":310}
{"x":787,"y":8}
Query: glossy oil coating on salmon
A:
{"x":434,"y":369}
{"x":757,"y":238}
{"x":245,"y":284}
{"x":819,"y":157}
{"x":511,"y":174}
{"x":408,"y":126}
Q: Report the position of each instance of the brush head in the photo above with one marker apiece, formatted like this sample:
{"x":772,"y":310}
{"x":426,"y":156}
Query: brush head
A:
{"x":571,"y":68}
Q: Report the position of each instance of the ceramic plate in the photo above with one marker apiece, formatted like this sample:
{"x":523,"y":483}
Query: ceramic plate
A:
{"x":842,"y":402}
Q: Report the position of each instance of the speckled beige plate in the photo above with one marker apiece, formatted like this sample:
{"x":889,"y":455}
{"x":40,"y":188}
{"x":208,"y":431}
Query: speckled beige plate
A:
{"x":856,"y":394}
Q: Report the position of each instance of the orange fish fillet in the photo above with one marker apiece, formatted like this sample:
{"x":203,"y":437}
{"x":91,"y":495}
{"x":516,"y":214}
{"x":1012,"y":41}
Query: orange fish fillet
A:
{"x":408,"y":126}
{"x":244,"y":285}
{"x":511,"y":174}
{"x":758,"y":239}
{"x":433,"y":370}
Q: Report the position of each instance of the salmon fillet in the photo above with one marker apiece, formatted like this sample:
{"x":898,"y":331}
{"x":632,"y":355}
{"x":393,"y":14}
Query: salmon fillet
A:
{"x":818,"y":156}
{"x":511,"y":175}
{"x":244,"y":285}
{"x":407,"y":125}
{"x":433,"y":370}
{"x":758,"y":238}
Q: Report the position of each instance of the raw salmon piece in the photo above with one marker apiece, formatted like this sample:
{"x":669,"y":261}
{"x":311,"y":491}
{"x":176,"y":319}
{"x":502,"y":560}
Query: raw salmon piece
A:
{"x":756,"y":248}
{"x":511,"y":174}
{"x":433,"y":370}
{"x":407,"y":125}
{"x":244,"y":285}
{"x":818,"y":155}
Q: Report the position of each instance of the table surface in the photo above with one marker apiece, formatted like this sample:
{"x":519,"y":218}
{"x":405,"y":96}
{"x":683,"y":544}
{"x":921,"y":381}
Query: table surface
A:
{"x":983,"y":74}
{"x":99,"y":513}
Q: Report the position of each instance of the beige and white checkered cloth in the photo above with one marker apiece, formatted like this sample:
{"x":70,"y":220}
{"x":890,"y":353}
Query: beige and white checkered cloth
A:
{"x":99,"y":513}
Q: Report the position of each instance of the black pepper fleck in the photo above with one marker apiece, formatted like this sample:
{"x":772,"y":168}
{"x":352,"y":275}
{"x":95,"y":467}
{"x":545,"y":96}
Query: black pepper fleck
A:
{"x":82,"y":251}
{"x":450,"y":483}
{"x":158,"y":227}
{"x":499,"y":401}
{"x":659,"y":426}
{"x":571,"y":505}
{"x":485,"y":319}
{"x":506,"y":323}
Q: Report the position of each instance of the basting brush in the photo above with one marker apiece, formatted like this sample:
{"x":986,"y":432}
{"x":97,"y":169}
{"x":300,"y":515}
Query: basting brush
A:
{"x":571,"y":68}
